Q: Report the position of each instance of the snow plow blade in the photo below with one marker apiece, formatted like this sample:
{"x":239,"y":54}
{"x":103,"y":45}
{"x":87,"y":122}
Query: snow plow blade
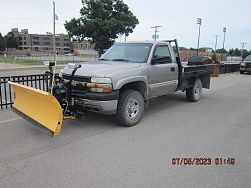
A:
{"x":38,"y":106}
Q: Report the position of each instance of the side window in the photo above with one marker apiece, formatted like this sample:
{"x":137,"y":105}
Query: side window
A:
{"x":162,"y":55}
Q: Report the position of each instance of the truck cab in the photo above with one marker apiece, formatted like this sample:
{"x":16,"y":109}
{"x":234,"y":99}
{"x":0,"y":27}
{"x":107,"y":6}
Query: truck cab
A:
{"x":129,"y":74}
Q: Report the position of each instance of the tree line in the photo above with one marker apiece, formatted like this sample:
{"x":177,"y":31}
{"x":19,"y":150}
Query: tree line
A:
{"x":8,"y":41}
{"x":232,"y":52}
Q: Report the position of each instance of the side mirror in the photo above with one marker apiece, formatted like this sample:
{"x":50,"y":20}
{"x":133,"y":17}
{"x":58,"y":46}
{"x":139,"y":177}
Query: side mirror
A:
{"x":153,"y":62}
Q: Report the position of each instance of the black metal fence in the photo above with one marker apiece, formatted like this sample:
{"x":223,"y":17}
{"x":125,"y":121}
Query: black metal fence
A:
{"x":39,"y":81}
{"x":228,"y":68}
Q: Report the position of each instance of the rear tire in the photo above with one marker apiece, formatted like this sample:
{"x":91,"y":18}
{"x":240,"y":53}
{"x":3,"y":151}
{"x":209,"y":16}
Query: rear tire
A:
{"x":241,"y":72}
{"x":130,"y":108}
{"x":193,"y":94}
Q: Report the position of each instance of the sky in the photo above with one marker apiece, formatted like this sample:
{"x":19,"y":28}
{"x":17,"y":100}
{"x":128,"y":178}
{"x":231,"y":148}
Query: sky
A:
{"x":177,"y":18}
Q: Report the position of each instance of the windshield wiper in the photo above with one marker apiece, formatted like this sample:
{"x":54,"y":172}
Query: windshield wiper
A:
{"x":121,"y":60}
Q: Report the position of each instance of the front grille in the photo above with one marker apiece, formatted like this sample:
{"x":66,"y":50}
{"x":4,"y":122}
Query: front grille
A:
{"x":85,"y":79}
{"x":248,"y":65}
{"x":79,"y":81}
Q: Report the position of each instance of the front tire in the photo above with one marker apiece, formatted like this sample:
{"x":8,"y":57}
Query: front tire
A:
{"x":193,"y":94}
{"x":130,"y":108}
{"x":241,"y":72}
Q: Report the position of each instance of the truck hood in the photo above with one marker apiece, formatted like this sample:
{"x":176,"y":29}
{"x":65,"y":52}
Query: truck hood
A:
{"x":100,"y":68}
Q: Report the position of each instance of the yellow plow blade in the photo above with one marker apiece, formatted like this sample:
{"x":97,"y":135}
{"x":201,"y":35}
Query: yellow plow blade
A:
{"x":39,"y":106}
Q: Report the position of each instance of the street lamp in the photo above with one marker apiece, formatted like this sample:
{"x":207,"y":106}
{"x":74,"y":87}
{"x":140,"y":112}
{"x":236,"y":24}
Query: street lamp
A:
{"x":199,"y":21}
{"x":216,"y":40}
{"x":224,"y":31}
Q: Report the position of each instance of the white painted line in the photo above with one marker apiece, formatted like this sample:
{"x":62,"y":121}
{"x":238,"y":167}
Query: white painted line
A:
{"x":5,"y":121}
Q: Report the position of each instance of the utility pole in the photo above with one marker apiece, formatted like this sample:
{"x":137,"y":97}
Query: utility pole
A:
{"x":155,"y":36}
{"x":199,"y":21}
{"x":216,"y":40}
{"x":224,"y":31}
{"x":242,"y":47}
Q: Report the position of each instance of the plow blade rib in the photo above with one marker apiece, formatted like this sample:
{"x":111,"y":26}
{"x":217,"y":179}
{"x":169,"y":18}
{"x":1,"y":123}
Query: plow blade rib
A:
{"x":39,"y":106}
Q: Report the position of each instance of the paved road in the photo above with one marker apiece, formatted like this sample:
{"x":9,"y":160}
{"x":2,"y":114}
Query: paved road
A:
{"x":95,"y":152}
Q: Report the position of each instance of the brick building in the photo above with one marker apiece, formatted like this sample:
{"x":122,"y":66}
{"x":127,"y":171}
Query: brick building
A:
{"x":41,"y":42}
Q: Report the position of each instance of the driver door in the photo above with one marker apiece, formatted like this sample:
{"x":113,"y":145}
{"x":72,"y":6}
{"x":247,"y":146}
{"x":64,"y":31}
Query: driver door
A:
{"x":163,"y":72}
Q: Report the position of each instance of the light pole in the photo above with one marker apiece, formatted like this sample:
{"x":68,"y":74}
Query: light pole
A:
{"x":199,"y":21}
{"x":54,"y":40}
{"x":216,"y":40}
{"x":155,"y":36}
{"x":54,"y":46}
{"x":224,"y":31}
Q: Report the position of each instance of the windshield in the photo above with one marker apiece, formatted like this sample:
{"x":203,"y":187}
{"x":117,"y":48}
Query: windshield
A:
{"x":128,"y":52}
{"x":248,"y":58}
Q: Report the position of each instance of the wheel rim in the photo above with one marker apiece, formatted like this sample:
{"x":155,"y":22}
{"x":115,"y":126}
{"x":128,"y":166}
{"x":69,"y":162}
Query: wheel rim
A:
{"x":132,"y":108}
{"x":197,"y":90}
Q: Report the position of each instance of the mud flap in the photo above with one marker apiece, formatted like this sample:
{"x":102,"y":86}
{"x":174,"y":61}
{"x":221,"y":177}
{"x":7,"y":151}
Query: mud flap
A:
{"x":39,"y":106}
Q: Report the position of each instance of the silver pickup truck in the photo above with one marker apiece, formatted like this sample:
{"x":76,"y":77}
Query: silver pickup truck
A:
{"x":128,"y":74}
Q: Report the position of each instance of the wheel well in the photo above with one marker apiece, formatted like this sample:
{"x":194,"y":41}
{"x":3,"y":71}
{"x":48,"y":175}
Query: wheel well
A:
{"x":139,"y":86}
{"x":205,"y":79}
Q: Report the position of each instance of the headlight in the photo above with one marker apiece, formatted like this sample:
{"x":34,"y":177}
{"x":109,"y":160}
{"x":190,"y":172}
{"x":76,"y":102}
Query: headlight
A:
{"x":101,"y":80}
{"x":243,"y":64}
{"x":101,"y":85}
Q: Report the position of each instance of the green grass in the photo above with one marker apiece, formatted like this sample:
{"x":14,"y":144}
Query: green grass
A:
{"x":27,"y":62}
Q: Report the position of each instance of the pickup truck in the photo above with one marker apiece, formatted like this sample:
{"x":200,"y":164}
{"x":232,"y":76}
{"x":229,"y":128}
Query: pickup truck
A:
{"x":245,"y":66}
{"x":128,"y":74}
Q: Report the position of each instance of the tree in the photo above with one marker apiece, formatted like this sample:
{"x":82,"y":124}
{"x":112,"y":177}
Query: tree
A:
{"x":235,"y":52}
{"x":101,"y":22}
{"x":2,"y":43}
{"x":182,"y":48}
{"x":221,"y":51}
{"x":11,"y":41}
{"x":245,"y":53}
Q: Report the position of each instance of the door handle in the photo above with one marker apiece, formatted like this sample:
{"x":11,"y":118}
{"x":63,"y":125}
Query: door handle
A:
{"x":172,"y":69}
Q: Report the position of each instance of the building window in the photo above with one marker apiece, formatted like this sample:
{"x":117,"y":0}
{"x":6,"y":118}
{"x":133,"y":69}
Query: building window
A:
{"x":46,"y":38}
{"x":35,"y":38}
{"x":57,"y":44}
{"x":66,"y":44}
{"x":24,"y":43}
{"x":24,"y":38}
{"x":57,"y":39}
{"x":47,"y":43}
{"x":35,"y":43}
{"x":20,"y":43}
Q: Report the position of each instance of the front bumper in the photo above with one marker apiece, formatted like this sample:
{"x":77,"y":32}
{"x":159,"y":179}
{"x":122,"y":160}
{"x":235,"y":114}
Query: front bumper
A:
{"x":102,"y":107}
{"x":246,"y":69}
{"x":104,"y":103}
